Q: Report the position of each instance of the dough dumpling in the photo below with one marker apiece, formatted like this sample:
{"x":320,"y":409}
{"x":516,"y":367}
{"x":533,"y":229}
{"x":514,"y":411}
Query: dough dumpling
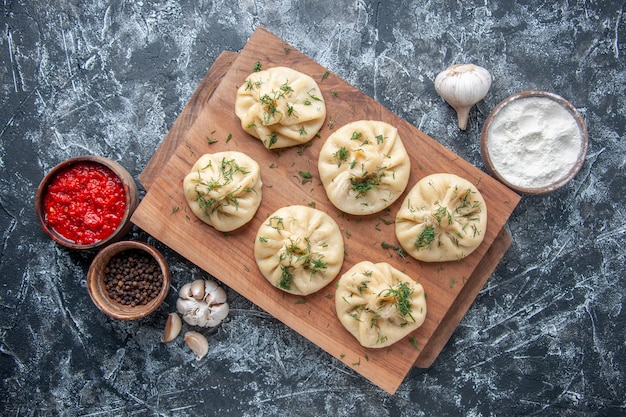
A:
{"x":364,"y":167}
{"x":224,"y":189}
{"x":378,"y":304}
{"x":299,"y":249}
{"x":443,"y":218}
{"x":281,"y":107}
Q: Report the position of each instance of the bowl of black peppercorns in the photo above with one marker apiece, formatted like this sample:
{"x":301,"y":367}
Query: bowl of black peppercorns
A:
{"x":128,"y":280}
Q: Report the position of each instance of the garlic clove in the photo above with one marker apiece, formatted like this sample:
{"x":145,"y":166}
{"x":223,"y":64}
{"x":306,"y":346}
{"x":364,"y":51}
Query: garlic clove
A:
{"x":214,"y":293}
{"x":197,"y":289}
{"x":462,"y":86}
{"x":197,"y":343}
{"x":217,"y":314}
{"x":173,"y":325}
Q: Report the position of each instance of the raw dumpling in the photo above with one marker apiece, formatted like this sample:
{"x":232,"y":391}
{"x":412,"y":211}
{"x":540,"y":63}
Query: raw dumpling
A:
{"x":299,"y":249}
{"x":281,"y":107}
{"x":364,"y":167}
{"x":379,"y":304}
{"x":224,"y":189}
{"x":443,"y":218}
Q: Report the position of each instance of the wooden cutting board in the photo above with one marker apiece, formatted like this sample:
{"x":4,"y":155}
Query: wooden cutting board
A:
{"x":208,"y":124}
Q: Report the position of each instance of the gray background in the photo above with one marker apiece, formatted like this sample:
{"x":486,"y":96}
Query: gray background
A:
{"x":544,"y":337}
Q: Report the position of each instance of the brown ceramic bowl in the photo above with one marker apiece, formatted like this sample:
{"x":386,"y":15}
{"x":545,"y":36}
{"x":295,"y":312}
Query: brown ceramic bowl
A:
{"x":99,"y":294}
{"x":130,"y":191}
{"x":534,"y":142}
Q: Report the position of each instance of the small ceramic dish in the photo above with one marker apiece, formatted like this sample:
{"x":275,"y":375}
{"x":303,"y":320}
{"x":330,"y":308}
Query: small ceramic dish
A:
{"x":534,"y":142}
{"x":78,"y":187}
{"x":105,"y":273}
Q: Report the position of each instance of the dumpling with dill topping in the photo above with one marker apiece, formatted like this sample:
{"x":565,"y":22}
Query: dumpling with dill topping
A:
{"x":280,"y":106}
{"x":224,"y":189}
{"x":364,"y":167}
{"x":442,"y":218}
{"x":379,"y":304}
{"x":299,"y":249}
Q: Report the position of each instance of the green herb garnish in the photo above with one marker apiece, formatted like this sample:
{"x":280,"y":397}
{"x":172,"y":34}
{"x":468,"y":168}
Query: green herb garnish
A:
{"x":425,"y":238}
{"x":401,"y":298}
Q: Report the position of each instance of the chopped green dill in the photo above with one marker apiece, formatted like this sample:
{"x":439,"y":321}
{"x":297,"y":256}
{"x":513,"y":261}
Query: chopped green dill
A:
{"x":286,"y":277}
{"x":401,"y":296}
{"x":285,"y":88}
{"x":270,"y":106}
{"x":356,"y":135}
{"x":325,"y":75}
{"x":257,"y":67}
{"x":301,"y":253}
{"x":374,"y":317}
{"x":276,"y":223}
{"x":303,"y":148}
{"x":398,"y":249}
{"x":414,"y":343}
{"x":313,"y":96}
{"x":380,"y":139}
{"x":334,"y":93}
{"x":263,"y":239}
{"x":273,"y":138}
{"x":425,"y":238}
{"x":341,"y":155}
{"x":175,"y":209}
{"x":229,"y":137}
{"x":386,"y":221}
{"x":365,"y":183}
{"x":442,"y":213}
{"x":305,"y":177}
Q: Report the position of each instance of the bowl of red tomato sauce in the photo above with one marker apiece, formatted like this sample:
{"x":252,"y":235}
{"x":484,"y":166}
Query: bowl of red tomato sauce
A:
{"x":86,"y":202}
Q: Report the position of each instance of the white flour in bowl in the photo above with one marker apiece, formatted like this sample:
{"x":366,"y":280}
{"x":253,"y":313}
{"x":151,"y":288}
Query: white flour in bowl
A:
{"x":534,"y":142}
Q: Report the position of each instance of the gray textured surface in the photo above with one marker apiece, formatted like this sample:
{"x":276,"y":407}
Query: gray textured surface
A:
{"x":547,"y":334}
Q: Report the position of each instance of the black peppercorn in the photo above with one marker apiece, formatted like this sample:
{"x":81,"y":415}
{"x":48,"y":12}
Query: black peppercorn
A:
{"x":133,"y":278}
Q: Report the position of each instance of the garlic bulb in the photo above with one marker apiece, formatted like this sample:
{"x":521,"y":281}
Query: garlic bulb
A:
{"x":462,"y":86}
{"x":202,"y":303}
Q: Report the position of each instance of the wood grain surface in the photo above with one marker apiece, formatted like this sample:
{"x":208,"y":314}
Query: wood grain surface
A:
{"x":206,"y":125}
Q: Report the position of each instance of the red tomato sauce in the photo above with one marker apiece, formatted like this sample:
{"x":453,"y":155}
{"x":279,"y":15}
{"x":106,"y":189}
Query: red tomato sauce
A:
{"x":85,"y":203}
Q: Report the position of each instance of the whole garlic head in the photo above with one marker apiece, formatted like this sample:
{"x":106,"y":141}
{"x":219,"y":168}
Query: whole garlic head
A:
{"x":462,"y":86}
{"x":202,"y":303}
